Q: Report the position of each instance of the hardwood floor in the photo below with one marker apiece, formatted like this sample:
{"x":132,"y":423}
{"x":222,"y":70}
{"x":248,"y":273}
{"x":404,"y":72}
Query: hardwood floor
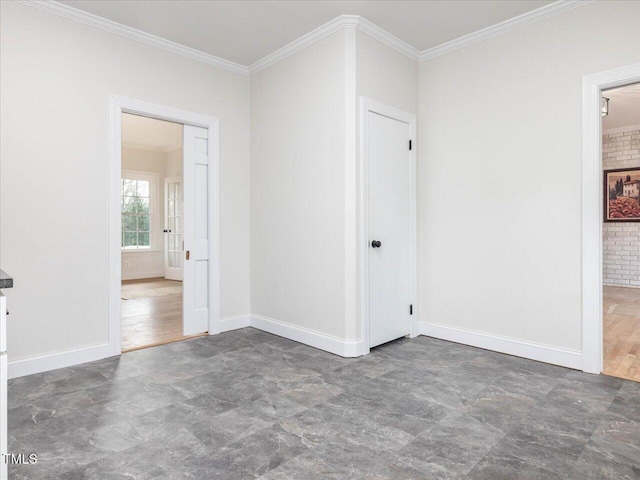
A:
{"x":621,"y":309}
{"x":150,"y":320}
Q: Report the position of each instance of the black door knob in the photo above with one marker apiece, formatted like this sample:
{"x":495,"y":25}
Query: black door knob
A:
{"x":376,"y":244}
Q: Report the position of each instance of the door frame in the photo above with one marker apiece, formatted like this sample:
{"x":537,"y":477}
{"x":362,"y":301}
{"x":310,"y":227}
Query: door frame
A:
{"x":592,"y":191}
{"x":368,"y":105}
{"x":118,"y":106}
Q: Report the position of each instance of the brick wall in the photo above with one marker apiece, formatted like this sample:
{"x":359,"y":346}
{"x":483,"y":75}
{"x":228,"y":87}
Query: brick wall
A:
{"x":621,"y":240}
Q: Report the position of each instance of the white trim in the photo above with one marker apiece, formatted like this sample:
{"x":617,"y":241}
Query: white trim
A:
{"x":368,"y":105}
{"x":322,"y":341}
{"x":628,"y":128}
{"x":234,"y":323}
{"x":533,"y":351}
{"x":304,"y":41}
{"x":514,"y":23}
{"x":143,"y":275}
{"x":120,"y":105}
{"x":374,"y":31}
{"x":592,"y":86}
{"x":53,"y":361}
{"x":329,"y":28}
{"x":343,"y":21}
{"x":121,"y":30}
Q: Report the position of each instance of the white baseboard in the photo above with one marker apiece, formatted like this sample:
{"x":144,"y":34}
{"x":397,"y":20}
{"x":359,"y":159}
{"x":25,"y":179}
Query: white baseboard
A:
{"x":142,"y":275}
{"x":53,"y":361}
{"x":322,"y":341}
{"x":234,"y":323}
{"x":338,"y":346}
{"x":511,"y":346}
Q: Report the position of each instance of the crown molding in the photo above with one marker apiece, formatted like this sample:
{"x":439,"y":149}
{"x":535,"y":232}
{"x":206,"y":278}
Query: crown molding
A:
{"x":329,"y":28}
{"x":374,"y":31}
{"x":110,"y":26}
{"x":304,"y":41}
{"x":514,"y":23}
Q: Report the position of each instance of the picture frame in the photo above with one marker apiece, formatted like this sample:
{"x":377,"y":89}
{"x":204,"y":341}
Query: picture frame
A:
{"x":621,"y":195}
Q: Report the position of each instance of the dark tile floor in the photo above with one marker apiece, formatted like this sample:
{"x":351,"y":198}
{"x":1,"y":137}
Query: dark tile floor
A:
{"x":247,"y":404}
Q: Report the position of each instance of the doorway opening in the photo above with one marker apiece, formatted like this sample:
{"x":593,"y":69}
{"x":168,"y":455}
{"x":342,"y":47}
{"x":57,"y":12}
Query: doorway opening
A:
{"x":198,"y":242}
{"x":151,"y":306}
{"x":621,"y":231}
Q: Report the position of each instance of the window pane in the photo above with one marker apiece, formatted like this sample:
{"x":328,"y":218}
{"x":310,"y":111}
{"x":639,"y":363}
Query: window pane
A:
{"x":170,"y":204}
{"x":128,"y":187}
{"x":177,"y":224}
{"x":129,"y":204}
{"x":143,"y":188}
{"x":143,"y":239}
{"x":129,"y":223}
{"x":130,"y":239}
{"x":143,"y":223}
{"x":172,"y":224}
{"x":171,"y":190}
{"x":142,"y":205}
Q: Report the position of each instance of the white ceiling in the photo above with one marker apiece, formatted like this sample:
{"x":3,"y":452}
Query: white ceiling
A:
{"x":150,"y":134}
{"x":246,"y":31}
{"x":624,"y":107}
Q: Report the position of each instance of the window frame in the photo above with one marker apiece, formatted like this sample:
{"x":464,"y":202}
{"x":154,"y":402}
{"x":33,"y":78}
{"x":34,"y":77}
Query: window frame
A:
{"x":155,"y":210}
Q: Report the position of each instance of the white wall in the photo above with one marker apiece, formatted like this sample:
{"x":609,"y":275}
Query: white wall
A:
{"x":500,"y":173}
{"x":56,"y":78}
{"x":174,"y":163}
{"x":303,"y":177}
{"x":499,"y":170}
{"x":297,"y":188}
{"x":147,"y":263}
{"x":386,"y":75}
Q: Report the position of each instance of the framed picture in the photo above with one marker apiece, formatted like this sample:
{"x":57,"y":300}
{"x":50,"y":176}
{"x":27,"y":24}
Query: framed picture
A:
{"x":622,"y":195}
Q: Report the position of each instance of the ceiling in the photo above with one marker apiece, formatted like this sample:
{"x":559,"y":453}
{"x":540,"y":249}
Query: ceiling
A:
{"x":150,"y":134}
{"x":246,"y":31}
{"x":624,"y":107}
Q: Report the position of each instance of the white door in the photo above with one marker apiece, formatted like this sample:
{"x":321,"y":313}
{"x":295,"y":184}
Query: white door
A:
{"x":196,"y":230}
{"x":173,"y":228}
{"x":389,"y":172}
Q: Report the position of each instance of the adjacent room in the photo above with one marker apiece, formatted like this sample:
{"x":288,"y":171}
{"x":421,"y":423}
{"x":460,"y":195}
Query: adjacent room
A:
{"x":320,"y":239}
{"x":621,"y":232}
{"x":151,"y":196}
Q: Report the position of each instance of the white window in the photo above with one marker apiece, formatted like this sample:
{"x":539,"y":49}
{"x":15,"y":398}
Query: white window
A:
{"x":138,"y":210}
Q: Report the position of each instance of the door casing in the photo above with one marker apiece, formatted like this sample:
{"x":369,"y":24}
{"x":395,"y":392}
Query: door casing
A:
{"x":118,"y":106}
{"x":592,"y":191}
{"x":367,"y":106}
